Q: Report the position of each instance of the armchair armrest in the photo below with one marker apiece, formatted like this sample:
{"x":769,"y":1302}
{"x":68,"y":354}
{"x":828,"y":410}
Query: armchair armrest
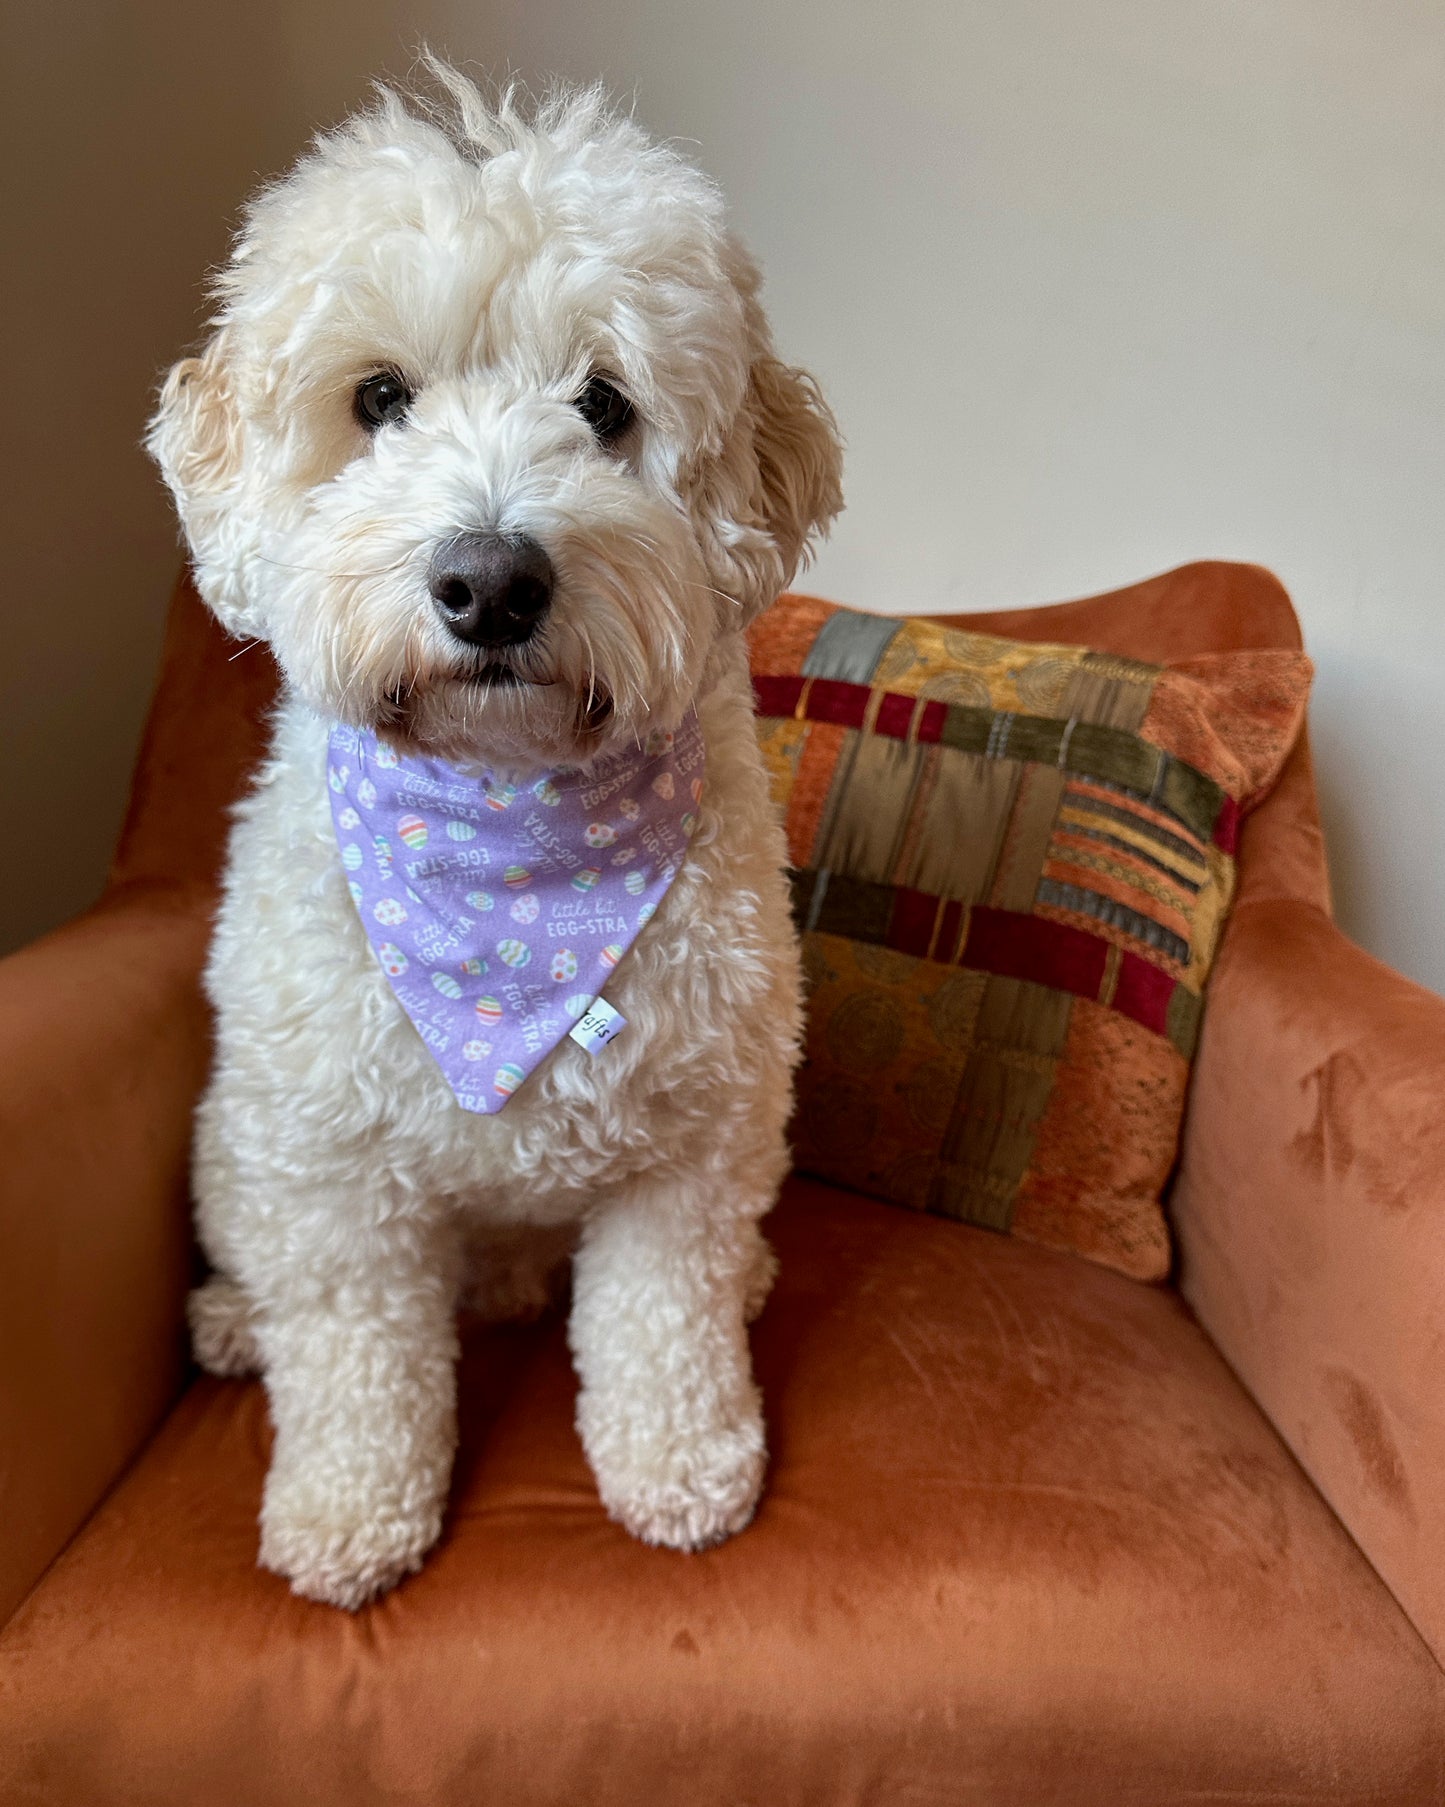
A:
{"x":1310,"y":1209}
{"x":103,"y":1045}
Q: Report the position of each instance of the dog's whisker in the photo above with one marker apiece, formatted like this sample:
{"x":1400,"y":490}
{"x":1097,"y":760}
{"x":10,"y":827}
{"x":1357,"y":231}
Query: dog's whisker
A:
{"x":390,"y":570}
{"x":711,"y":589}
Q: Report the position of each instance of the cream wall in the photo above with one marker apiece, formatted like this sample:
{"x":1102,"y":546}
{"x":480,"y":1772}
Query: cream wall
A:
{"x":1096,"y":286}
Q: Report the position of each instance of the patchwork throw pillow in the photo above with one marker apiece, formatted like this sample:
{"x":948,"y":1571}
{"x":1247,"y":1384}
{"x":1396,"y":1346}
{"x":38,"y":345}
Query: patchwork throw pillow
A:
{"x":1012,"y":862}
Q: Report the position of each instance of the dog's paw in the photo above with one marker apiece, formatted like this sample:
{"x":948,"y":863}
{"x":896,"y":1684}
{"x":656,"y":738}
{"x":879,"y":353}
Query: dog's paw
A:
{"x":696,"y":1493}
{"x":342,"y":1558}
{"x":223,"y":1328}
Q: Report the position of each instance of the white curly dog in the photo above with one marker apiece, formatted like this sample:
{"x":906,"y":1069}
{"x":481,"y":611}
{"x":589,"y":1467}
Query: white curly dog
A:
{"x":527,"y":334}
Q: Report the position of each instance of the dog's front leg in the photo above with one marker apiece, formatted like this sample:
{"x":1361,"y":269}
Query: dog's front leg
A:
{"x":359,"y":1348}
{"x":669,"y":1413}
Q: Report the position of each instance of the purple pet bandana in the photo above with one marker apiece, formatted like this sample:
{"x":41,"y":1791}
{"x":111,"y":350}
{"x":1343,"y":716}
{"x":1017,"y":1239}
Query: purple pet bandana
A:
{"x":498,"y":913}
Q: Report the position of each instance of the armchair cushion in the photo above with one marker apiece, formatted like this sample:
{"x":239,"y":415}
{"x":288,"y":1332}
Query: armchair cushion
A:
{"x":1025,"y":1540}
{"x":1012,"y":864}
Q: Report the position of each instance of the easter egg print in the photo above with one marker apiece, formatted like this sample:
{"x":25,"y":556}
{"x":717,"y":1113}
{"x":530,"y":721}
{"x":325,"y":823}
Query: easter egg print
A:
{"x":516,"y":878}
{"x":635,"y":882}
{"x":696,"y":788}
{"x":664,"y":786}
{"x":479,"y":900}
{"x":611,"y":954}
{"x":348,"y":818}
{"x":659,"y":741}
{"x":564,"y":966}
{"x":546,"y":792}
{"x":513,"y":952}
{"x":631,"y":808}
{"x":393,"y":960}
{"x":586,"y":879}
{"x":446,"y":985}
{"x":461,"y":831}
{"x":624,"y":856}
{"x":525,"y":908}
{"x":336,"y":778}
{"x":475,"y":1050}
{"x":390,"y":910}
{"x":386,"y":757}
{"x":357,"y":894}
{"x":507,"y":1079}
{"x":413,"y":831}
{"x":474,"y":967}
{"x":351,"y":857}
{"x":500,"y":796}
{"x":599,"y":835}
{"x":646,"y":914}
{"x":366,"y":793}
{"x":489,"y":1010}
{"x":577,"y":1003}
{"x":688,"y":824}
{"x":381,"y":847}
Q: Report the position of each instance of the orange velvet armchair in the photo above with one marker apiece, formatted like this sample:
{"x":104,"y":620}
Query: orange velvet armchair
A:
{"x":1033,"y":1533}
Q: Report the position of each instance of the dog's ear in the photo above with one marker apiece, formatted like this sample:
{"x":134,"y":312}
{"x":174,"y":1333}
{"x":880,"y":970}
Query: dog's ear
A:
{"x":775,"y":487}
{"x":195,"y":436}
{"x":799,"y":456}
{"x":195,"y":432}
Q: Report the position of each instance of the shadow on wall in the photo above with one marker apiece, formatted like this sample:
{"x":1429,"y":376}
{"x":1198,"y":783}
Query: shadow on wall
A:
{"x":131,"y":136}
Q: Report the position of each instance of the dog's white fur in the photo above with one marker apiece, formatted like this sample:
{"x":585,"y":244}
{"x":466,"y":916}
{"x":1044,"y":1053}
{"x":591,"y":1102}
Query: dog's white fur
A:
{"x":497,"y":258}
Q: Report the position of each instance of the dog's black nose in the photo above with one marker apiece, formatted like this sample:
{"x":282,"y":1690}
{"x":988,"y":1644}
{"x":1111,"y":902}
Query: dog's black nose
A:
{"x":491,"y":589}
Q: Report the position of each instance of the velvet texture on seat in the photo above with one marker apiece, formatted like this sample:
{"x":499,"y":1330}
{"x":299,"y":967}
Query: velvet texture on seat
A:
{"x":1025,"y":1539}
{"x":1311,"y":1209}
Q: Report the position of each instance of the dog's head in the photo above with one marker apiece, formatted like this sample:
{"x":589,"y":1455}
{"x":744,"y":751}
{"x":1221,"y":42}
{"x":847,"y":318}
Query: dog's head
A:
{"x":490,"y":442}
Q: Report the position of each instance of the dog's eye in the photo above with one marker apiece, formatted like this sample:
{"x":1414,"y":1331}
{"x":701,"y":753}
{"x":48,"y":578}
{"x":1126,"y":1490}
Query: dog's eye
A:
{"x":605,"y":409}
{"x":380,"y":400}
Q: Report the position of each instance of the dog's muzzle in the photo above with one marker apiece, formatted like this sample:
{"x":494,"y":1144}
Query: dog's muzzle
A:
{"x":491,"y":589}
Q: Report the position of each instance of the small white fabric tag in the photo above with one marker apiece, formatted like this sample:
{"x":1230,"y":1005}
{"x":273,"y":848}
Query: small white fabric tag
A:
{"x":597,"y":1026}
